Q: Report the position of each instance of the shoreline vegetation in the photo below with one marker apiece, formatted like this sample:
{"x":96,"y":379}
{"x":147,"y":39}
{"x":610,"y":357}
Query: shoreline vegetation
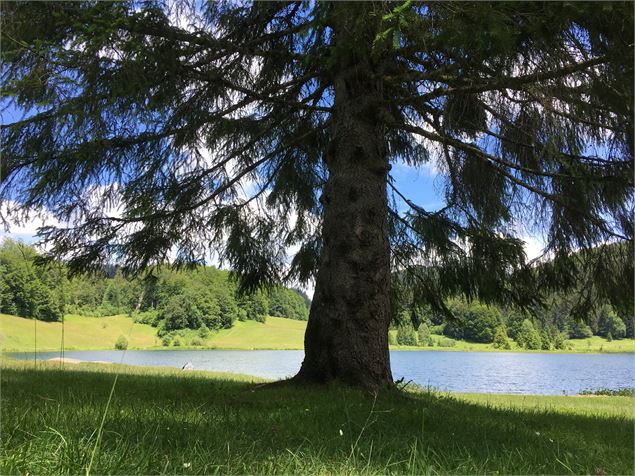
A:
{"x":101,"y":333}
{"x":163,"y":420}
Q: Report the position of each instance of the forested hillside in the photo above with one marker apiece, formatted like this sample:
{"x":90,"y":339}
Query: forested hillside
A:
{"x":548,"y":328}
{"x":201,"y":298}
{"x":207,"y":299}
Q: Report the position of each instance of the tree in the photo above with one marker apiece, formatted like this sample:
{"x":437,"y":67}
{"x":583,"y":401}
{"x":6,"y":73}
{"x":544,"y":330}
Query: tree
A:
{"x":475,"y":322}
{"x":580,"y":330}
{"x":406,"y":335}
{"x":611,"y":324}
{"x":29,"y":290}
{"x":207,"y":126}
{"x":501,"y":341}
{"x":179,"y":313}
{"x":529,"y":337}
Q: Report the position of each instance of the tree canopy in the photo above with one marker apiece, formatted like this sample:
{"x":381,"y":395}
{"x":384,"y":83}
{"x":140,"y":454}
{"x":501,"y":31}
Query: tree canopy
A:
{"x":160,"y":129}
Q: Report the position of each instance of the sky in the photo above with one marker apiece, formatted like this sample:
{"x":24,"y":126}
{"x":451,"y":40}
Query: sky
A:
{"x":423,"y":185}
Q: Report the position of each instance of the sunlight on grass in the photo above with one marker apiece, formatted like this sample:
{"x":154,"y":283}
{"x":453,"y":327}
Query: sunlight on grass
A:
{"x":173,"y":422}
{"x":92,"y":333}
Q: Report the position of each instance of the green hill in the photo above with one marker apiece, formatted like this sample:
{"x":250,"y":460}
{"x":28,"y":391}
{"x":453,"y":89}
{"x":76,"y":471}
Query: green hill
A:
{"x":91,"y":333}
{"x":80,"y":333}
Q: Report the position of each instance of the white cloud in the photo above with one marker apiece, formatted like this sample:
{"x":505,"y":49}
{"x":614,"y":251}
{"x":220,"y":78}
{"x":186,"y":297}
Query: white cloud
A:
{"x":534,"y":246}
{"x":24,"y":229}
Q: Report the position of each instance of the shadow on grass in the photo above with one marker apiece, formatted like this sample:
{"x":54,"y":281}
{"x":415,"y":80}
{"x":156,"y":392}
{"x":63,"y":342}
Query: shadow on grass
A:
{"x":189,"y":422}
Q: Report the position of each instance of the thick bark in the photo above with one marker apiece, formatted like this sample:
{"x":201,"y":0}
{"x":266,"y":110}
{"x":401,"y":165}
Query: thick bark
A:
{"x":347,"y":333}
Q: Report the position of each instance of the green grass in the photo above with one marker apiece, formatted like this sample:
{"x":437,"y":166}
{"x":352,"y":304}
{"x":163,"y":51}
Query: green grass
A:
{"x":276,"y":333}
{"x":80,"y":333}
{"x":165,"y":421}
{"x":92,"y":333}
{"x":600,"y":344}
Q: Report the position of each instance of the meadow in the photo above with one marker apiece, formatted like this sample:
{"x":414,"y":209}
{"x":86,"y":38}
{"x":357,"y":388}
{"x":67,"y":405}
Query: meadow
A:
{"x":164,"y":421}
{"x":94,"y":333}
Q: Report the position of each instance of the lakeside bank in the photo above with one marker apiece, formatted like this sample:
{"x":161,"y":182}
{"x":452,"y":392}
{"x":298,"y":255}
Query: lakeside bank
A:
{"x":19,"y":334}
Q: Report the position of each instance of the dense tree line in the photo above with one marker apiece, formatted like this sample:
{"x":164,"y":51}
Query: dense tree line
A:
{"x":545,"y":328}
{"x":26,"y":290}
{"x":170,"y":300}
{"x":581,"y":311}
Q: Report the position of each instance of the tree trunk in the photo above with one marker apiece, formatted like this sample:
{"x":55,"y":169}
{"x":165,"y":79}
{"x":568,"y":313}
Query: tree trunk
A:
{"x":347,"y":334}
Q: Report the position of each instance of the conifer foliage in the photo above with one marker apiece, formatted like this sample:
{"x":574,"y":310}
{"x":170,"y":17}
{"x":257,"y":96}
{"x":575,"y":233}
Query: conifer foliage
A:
{"x":243,"y":129}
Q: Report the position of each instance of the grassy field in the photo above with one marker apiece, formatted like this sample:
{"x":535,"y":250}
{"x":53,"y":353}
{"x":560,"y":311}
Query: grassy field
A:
{"x":92,"y":333}
{"x":80,"y":333}
{"x":165,"y":421}
{"x":276,"y":333}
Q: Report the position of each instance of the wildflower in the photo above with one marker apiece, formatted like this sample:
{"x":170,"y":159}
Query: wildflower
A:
{"x":187,"y":465}
{"x":341,"y":432}
{"x":537,"y":433}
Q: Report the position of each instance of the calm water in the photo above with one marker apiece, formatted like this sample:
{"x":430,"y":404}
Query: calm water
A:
{"x":507,"y":372}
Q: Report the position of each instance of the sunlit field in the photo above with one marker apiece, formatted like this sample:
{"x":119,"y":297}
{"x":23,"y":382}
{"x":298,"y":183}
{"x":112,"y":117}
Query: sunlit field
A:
{"x":87,"y":333}
{"x":168,"y":421}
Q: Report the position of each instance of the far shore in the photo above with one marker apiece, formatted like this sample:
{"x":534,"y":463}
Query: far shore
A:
{"x":392,"y":348}
{"x":19,"y":334}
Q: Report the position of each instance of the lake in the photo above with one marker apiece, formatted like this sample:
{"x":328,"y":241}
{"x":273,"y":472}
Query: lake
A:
{"x":483,"y":372}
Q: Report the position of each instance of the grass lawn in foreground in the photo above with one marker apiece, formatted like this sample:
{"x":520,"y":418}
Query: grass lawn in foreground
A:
{"x":163,"y":421}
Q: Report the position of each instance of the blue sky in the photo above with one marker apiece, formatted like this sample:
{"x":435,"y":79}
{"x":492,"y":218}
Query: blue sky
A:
{"x":421,"y":185}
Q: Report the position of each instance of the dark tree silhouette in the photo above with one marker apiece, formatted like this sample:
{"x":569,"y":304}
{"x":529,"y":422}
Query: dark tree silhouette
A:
{"x":245,"y":129}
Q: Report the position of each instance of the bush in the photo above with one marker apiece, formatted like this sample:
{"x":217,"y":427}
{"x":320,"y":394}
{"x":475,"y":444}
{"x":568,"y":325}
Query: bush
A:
{"x":560,"y":341}
{"x":423,"y":333}
{"x":501,"y":341}
{"x":177,"y":342}
{"x":166,"y":340}
{"x":528,"y":337}
{"x":406,"y":335}
{"x":580,"y":330}
{"x":196,"y":342}
{"x":428,"y":342}
{"x":122,"y":343}
{"x":445,"y":342}
{"x":146,"y":317}
{"x":438,"y":330}
{"x":203,"y":332}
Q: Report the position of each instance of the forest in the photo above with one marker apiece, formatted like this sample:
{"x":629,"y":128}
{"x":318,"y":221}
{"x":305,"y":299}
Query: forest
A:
{"x":208,"y":299}
{"x":200,"y":298}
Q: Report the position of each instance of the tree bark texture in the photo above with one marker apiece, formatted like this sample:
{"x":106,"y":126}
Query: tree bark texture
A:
{"x":347,"y":333}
